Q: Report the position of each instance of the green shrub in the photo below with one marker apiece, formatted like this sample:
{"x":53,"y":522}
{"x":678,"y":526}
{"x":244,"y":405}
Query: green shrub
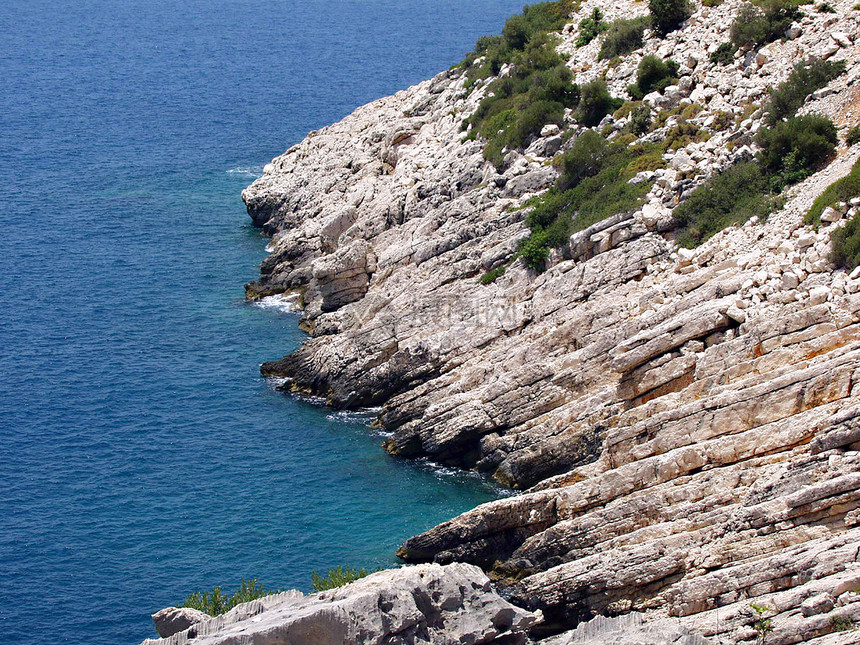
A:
{"x":595,"y":103}
{"x":757,"y":26}
{"x":724,"y":54}
{"x":806,"y":77}
{"x":590,"y":27}
{"x":794,"y":149}
{"x":537,"y":90}
{"x":653,"y":75}
{"x":493,"y":274}
{"x":667,"y":15}
{"x":839,"y":191}
{"x":534,"y":250}
{"x":846,"y":244}
{"x":622,"y":37}
{"x":640,"y":120}
{"x":825,"y":8}
{"x":731,"y":197}
{"x":593,"y":186}
{"x":216,"y":603}
{"x":853,"y":136}
{"x":337,"y":577}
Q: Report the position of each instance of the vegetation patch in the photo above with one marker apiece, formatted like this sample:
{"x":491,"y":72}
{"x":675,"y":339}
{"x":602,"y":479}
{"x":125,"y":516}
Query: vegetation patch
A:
{"x":668,"y":15}
{"x":653,"y":75}
{"x":794,"y":149}
{"x":535,"y":92}
{"x":839,"y":191}
{"x":595,"y":103}
{"x":216,"y":603}
{"x":590,"y":27}
{"x":806,"y":77}
{"x":731,"y":197}
{"x":724,"y":54}
{"x":755,"y":26}
{"x":853,"y":136}
{"x":623,"y":37}
{"x":493,"y":274}
{"x":593,"y":186}
{"x":338,"y":577}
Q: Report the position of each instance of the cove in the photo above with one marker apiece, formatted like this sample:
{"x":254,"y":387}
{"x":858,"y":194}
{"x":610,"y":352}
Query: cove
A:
{"x":141,"y":455}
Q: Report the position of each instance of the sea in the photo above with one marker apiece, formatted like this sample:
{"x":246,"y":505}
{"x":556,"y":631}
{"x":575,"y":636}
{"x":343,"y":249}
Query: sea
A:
{"x":142,"y":456}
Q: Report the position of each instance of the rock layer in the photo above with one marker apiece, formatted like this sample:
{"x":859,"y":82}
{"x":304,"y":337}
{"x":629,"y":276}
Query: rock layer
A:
{"x":427,"y":604}
{"x":685,"y":422}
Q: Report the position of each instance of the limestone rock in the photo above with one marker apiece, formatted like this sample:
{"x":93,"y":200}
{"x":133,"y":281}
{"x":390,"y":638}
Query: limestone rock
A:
{"x":427,"y":604}
{"x":172,"y":620}
{"x":684,"y":426}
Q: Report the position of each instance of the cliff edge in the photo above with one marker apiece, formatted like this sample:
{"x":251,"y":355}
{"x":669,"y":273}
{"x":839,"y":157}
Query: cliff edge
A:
{"x":684,"y":423}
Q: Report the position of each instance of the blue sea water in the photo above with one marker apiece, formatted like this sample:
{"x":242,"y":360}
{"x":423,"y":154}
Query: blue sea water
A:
{"x":141,"y":455}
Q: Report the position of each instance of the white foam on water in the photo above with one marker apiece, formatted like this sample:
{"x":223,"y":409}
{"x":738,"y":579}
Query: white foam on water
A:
{"x":247,"y":171}
{"x":284,"y":302}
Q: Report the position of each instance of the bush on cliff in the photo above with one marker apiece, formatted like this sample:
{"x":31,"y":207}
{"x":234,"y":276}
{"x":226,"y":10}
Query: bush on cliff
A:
{"x":590,"y":27}
{"x":668,"y":15}
{"x":846,"y":244}
{"x":653,"y":75}
{"x":537,"y":89}
{"x":731,"y":197}
{"x":806,"y":77}
{"x":792,"y":150}
{"x":216,"y":603}
{"x":757,"y":26}
{"x":337,"y":577}
{"x":839,"y":191}
{"x":622,"y":37}
{"x":595,"y":103}
{"x":593,"y":186}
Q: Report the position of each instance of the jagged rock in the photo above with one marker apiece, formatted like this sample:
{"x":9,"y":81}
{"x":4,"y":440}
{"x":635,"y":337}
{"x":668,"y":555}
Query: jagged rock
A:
{"x":172,"y":620}
{"x":630,"y":629}
{"x":427,"y":604}
{"x":685,"y":427}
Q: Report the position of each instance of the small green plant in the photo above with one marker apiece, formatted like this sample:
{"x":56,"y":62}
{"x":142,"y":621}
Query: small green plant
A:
{"x":337,"y":577}
{"x":653,"y":75}
{"x":825,"y":8}
{"x":594,"y":184}
{"x":668,"y":15}
{"x":724,"y":54}
{"x":806,"y":77}
{"x":622,"y":37}
{"x":794,"y":149}
{"x":853,"y":136}
{"x":535,"y":251}
{"x":762,"y":625}
{"x":493,"y":274}
{"x":846,"y":244}
{"x":841,"y":624}
{"x":595,"y":103}
{"x":839,"y":191}
{"x":758,"y":25}
{"x":535,"y":92}
{"x":590,"y":27}
{"x":732,"y":197}
{"x":216,"y":603}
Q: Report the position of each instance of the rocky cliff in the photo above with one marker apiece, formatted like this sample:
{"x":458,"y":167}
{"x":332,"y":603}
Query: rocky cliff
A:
{"x":684,"y":424}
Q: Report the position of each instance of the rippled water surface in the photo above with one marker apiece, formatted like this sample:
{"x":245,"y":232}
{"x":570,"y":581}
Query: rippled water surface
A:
{"x":141,"y":456}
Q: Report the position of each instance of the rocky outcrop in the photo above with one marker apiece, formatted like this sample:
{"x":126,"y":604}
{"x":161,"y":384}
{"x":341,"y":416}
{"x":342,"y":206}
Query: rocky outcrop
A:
{"x":172,"y":620}
{"x":427,"y":604}
{"x":684,"y":423}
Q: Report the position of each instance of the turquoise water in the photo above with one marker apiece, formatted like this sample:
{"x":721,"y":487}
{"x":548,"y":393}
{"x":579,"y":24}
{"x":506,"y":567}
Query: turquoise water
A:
{"x":141,"y":455}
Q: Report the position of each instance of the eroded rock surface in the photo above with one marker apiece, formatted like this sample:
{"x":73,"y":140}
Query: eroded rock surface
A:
{"x":420,"y":605}
{"x":686,"y":424}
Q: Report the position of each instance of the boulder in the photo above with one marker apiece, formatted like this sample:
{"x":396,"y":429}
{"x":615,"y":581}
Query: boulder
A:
{"x":421,"y":605}
{"x":172,"y":620}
